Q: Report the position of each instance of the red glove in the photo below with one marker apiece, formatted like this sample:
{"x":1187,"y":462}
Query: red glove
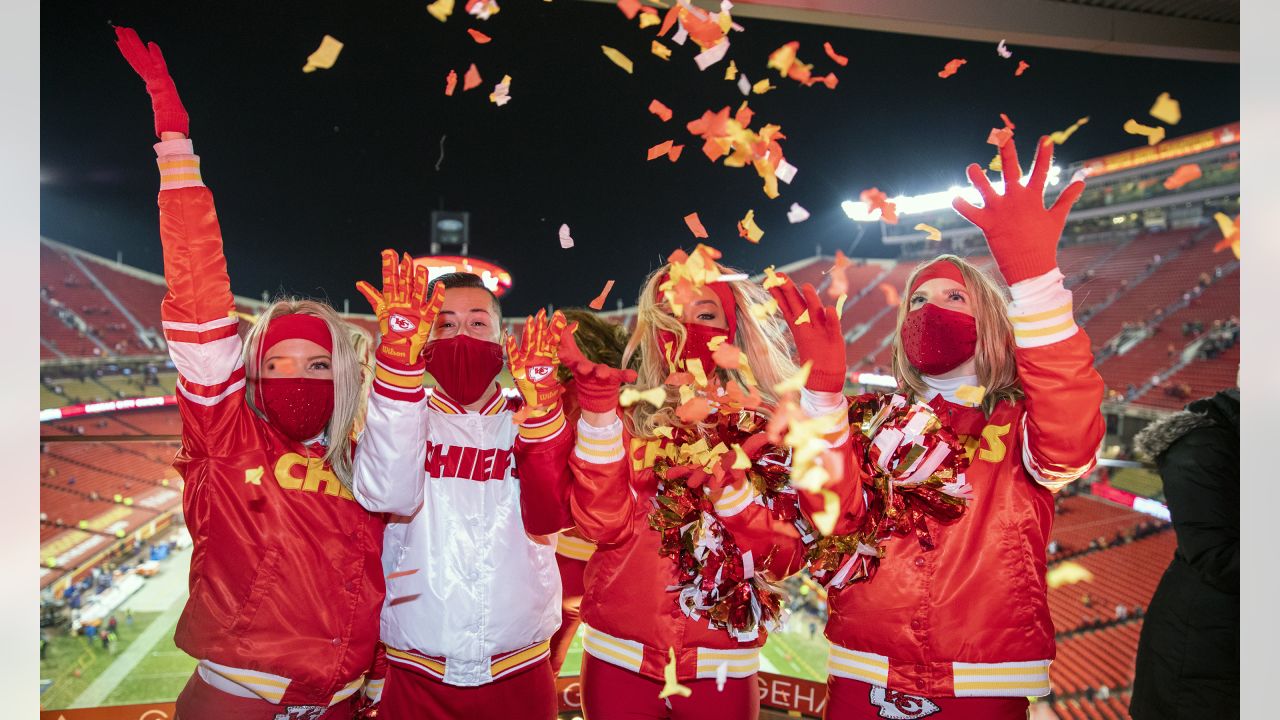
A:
{"x":147,"y":61}
{"x":1022,"y":235}
{"x":597,"y":385}
{"x":819,"y":340}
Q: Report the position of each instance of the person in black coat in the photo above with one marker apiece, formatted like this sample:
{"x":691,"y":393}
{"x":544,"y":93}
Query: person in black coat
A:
{"x":1188,"y":662}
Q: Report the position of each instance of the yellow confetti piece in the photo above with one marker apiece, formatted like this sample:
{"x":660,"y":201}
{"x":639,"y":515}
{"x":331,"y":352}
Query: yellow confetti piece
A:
{"x":970,"y":395}
{"x":761,"y":311}
{"x":1153,"y":134}
{"x":1068,"y":573}
{"x":731,"y":72}
{"x":840,"y":301}
{"x":654,"y":396}
{"x":441,"y":9}
{"x":1166,"y":109}
{"x":748,"y":229}
{"x":670,"y":686}
{"x":663,"y":431}
{"x":825,"y":519}
{"x":660,"y":50}
{"x":930,"y":232}
{"x":740,"y":459}
{"x":995,"y":165}
{"x":796,"y":382}
{"x":686,"y":394}
{"x":1061,"y":136}
{"x":762,"y":87}
{"x":1225,"y":224}
{"x":804,"y":317}
{"x":618,"y":58}
{"x":694,"y":366}
{"x":325,"y":56}
{"x":649,"y":19}
{"x":772,"y":279}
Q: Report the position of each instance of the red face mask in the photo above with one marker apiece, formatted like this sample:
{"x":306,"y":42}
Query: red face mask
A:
{"x":463,"y":366}
{"x":937,"y":340}
{"x":696,"y":344}
{"x":298,"y":407}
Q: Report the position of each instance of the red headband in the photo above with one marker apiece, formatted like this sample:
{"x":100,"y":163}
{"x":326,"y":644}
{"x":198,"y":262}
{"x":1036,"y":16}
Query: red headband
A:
{"x":940,"y":269}
{"x":297,"y":325}
{"x":727,"y":302}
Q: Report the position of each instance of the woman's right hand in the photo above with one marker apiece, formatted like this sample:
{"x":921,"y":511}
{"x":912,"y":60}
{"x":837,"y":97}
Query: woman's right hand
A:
{"x":818,"y":337}
{"x":148,"y":62}
{"x":597,"y":385}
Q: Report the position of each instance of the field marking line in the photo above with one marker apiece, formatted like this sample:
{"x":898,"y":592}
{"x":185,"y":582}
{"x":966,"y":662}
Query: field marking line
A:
{"x":140,"y":648}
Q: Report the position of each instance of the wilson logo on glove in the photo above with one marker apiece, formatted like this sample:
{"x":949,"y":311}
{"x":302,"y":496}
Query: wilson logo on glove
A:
{"x":538,"y":373}
{"x":402,"y":324}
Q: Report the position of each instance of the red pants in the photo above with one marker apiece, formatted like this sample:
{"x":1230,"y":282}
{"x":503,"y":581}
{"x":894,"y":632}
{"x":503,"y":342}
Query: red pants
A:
{"x":201,"y":701}
{"x":571,"y":590}
{"x":613,"y":693}
{"x":855,"y":700}
{"x":527,"y":695}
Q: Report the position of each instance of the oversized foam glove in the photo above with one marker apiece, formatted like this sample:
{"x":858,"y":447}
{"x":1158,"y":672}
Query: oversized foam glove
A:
{"x":405,"y":314}
{"x":533,"y":361}
{"x":149,"y":63}
{"x":817,"y":333}
{"x":597,"y":385}
{"x":1022,"y":234}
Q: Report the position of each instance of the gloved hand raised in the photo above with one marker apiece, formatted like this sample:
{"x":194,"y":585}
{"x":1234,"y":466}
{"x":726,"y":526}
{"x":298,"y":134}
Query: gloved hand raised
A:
{"x":148,"y":62}
{"x":405,"y":315}
{"x":534,"y":359}
{"x":819,"y":339}
{"x":597,"y":385}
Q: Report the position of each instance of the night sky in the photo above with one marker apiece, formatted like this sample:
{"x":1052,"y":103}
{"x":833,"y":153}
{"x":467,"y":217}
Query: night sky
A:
{"x":313,"y":174}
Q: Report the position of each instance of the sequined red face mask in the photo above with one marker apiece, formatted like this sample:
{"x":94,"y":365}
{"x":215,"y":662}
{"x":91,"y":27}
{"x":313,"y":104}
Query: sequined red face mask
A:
{"x":298,"y":407}
{"x":937,"y":340}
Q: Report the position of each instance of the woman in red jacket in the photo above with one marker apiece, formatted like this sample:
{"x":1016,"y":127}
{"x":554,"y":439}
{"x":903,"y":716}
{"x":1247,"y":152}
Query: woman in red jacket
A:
{"x":286,"y":573}
{"x":688,"y":501}
{"x":955,"y":619}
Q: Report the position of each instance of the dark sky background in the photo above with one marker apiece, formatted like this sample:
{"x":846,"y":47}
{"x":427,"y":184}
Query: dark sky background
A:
{"x":315,"y":173}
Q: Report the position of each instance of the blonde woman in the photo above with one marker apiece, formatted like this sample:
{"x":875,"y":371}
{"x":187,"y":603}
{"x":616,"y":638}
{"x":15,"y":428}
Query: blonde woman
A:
{"x":956,"y":619}
{"x":693,"y":516}
{"x":286,"y":574}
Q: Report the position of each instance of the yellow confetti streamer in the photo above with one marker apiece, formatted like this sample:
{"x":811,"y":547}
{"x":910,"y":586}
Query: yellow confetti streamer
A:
{"x":748,"y":228}
{"x":804,"y":318}
{"x":796,"y":382}
{"x":648,"y":19}
{"x":825,"y":519}
{"x":325,"y":56}
{"x":762,"y":87}
{"x":1166,"y":109}
{"x":654,"y":396}
{"x":441,"y":9}
{"x":670,"y":686}
{"x":1153,"y":134}
{"x":840,"y":305}
{"x":1068,"y":573}
{"x":970,"y":395}
{"x":772,"y":279}
{"x":740,"y":459}
{"x":761,"y":311}
{"x":618,"y":58}
{"x":930,"y":232}
{"x":694,"y":366}
{"x":731,"y":72}
{"x":1060,"y":136}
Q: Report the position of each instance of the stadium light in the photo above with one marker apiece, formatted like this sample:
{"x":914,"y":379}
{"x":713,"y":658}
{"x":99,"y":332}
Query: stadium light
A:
{"x":932,"y":202}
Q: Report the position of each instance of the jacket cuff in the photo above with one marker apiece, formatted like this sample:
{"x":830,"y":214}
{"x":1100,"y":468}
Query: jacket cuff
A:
{"x":599,"y":446}
{"x":1041,"y":311}
{"x":544,"y":427}
{"x":832,"y":408}
{"x":179,"y":165}
{"x":398,"y":381}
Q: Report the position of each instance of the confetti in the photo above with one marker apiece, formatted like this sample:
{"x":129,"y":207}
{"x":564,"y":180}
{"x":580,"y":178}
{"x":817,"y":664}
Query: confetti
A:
{"x":723,"y":135}
{"x":598,"y":302}
{"x":649,"y":19}
{"x":618,"y":58}
{"x":654,"y":396}
{"x":931,"y":232}
{"x":660,"y":149}
{"x":952,"y":68}
{"x":803,"y":318}
{"x":840,"y":301}
{"x":999,"y":136}
{"x":877,"y":200}
{"x":629,"y":8}
{"x":1061,"y":136}
{"x":1022,"y":67}
{"x":401,"y":573}
{"x":744,"y":85}
{"x":695,"y":410}
{"x":660,"y":110}
{"x":478,"y":36}
{"x":839,"y":284}
{"x":839,"y":59}
{"x":772,"y":279}
{"x":1230,"y":233}
{"x":1166,"y":109}
{"x":674,"y":155}
{"x":712,"y":55}
{"x":785,"y":171}
{"x":1183,"y":175}
{"x":748,"y":229}
{"x":450,"y":82}
{"x":566,"y":240}
{"x":760,"y":311}
{"x":695,"y":225}
{"x":483,"y":9}
{"x":796,"y":382}
{"x":797,"y":214}
{"x":325,"y":56}
{"x":825,"y":519}
{"x":501,"y":94}
{"x":731,"y":72}
{"x":891,"y":297}
{"x":471,"y":79}
{"x":1003,"y":50}
{"x":740,"y":459}
{"x":670,"y":686}
{"x":763,"y":87}
{"x":971,"y":395}
{"x":1067,"y":573}
{"x":662,"y":51}
{"x":1153,"y":134}
{"x":441,"y":9}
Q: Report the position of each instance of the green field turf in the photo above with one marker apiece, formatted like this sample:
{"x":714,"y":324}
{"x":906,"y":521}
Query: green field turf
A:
{"x":65,"y":655}
{"x":158,"y":677}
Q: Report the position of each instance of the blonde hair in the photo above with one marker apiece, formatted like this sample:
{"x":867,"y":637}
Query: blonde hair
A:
{"x":766,"y":344}
{"x":994,"y":360}
{"x":346,"y":376}
{"x":362,"y":345}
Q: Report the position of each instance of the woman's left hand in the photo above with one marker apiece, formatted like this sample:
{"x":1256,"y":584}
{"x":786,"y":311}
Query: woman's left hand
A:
{"x":819,"y":339}
{"x":533,"y":360}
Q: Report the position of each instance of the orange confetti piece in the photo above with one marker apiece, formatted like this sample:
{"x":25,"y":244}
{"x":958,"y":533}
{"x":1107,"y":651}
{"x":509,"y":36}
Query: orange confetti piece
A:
{"x":999,"y":136}
{"x":891,"y":297}
{"x":1022,"y":67}
{"x":1230,"y":234}
{"x":674,"y":154}
{"x":598,"y":303}
{"x":693,"y":411}
{"x":695,"y":225}
{"x":479,"y":37}
{"x":402,"y":573}
{"x":952,"y":68}
{"x":662,"y":51}
{"x":839,"y":276}
{"x":877,"y":200}
{"x":472,"y":78}
{"x":660,"y":110}
{"x":629,"y":8}
{"x":1183,"y":175}
{"x":839,"y":59}
{"x":661,"y":149}
{"x":450,"y":82}
{"x":727,"y":356}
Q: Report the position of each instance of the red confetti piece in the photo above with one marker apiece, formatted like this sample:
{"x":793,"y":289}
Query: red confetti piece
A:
{"x":674,"y":154}
{"x":402,"y":573}
{"x":471,"y":79}
{"x":877,"y":200}
{"x":450,"y":82}
{"x":1007,"y":122}
{"x":598,"y":303}
{"x":660,"y":110}
{"x":478,"y":36}
{"x":891,"y":297}
{"x":1022,"y":67}
{"x":999,"y":136}
{"x":695,"y":225}
{"x":839,"y":276}
{"x":629,"y":8}
{"x":660,"y":149}
{"x":952,"y":68}
{"x":840,"y":60}
{"x":1183,"y":175}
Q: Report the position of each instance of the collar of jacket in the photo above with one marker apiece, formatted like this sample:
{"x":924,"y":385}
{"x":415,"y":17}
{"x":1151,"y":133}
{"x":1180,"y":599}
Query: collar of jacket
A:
{"x":1220,"y":410}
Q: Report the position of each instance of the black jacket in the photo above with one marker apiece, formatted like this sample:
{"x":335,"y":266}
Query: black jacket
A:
{"x":1189,"y":652}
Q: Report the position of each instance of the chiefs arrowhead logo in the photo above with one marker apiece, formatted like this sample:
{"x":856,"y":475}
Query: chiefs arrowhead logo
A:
{"x":895,"y":705}
{"x":402,"y":324}
{"x":538,"y":373}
